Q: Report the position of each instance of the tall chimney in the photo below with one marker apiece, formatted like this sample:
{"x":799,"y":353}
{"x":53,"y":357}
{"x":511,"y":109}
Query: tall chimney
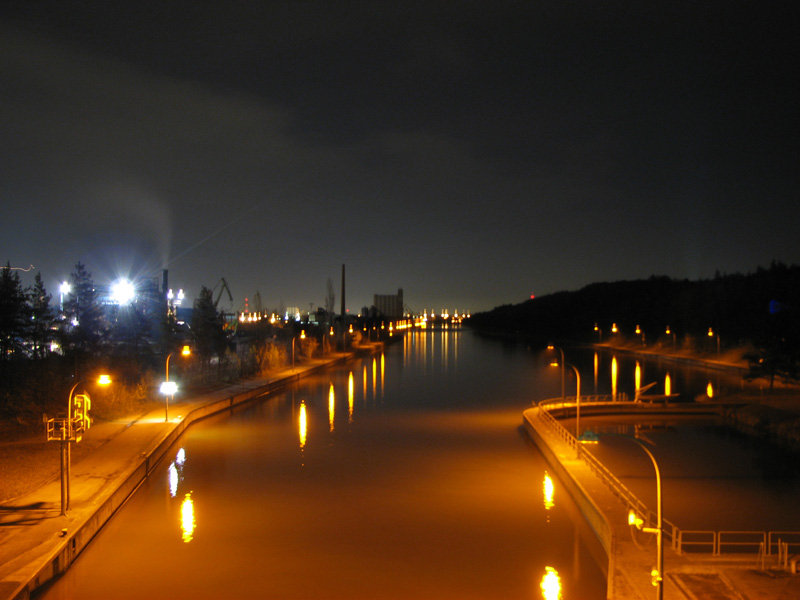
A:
{"x":343,"y":309}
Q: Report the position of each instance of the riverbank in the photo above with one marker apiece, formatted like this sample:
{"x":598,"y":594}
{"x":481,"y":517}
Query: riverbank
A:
{"x":687,"y":576}
{"x":758,"y":411}
{"x":37,"y":543}
{"x":763,"y":412}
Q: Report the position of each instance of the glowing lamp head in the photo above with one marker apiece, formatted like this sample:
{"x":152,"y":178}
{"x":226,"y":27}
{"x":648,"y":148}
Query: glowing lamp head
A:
{"x":168,"y":388}
{"x":104,"y":380}
{"x":186,"y":351}
{"x":634,"y":520}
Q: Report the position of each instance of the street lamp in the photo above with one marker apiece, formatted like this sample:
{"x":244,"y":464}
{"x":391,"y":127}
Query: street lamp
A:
{"x":674,"y":342}
{"x":168,"y":388}
{"x":302,"y":337}
{"x":711,"y":334}
{"x":563,"y":376}
{"x":577,"y":395}
{"x":634,"y":520}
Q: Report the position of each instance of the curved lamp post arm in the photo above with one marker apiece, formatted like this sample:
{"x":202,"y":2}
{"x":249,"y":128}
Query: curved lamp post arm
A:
{"x":577,"y":400}
{"x":69,"y":399}
{"x":658,"y":578}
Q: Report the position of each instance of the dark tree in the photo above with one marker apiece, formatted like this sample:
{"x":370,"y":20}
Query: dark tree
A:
{"x":85,"y":324}
{"x":13,"y":315}
{"x":40,"y":328}
{"x":208,"y":329}
{"x":777,"y":352}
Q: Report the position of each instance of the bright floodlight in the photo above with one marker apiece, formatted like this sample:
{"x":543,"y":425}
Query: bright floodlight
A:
{"x":123,"y":292}
{"x":169,"y":388}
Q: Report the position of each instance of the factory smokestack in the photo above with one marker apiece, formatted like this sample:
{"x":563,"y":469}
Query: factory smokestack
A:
{"x":343,"y":292}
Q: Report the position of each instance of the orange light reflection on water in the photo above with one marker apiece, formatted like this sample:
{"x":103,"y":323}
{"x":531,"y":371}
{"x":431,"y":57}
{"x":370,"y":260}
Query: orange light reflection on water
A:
{"x":350,"y":397}
{"x":331,"y":406}
{"x":303,"y":424}
{"x":551,"y":584}
{"x":188,"y":523}
{"x":614,"y":377}
{"x":548,"y":489}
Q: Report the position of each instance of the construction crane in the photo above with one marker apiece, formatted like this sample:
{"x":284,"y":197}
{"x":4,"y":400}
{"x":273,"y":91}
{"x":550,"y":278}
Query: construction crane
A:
{"x":230,"y":320}
{"x":224,"y":288}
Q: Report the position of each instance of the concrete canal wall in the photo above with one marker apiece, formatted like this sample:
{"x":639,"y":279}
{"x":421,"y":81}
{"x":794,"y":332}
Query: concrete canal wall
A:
{"x":41,"y":564}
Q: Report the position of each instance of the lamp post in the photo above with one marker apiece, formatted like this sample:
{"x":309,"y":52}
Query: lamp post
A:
{"x":658,"y":573}
{"x":168,"y":388}
{"x":711,"y":334}
{"x":577,"y":401}
{"x":577,"y":395}
{"x":302,"y":337}
{"x":563,"y":375}
{"x":674,"y":342}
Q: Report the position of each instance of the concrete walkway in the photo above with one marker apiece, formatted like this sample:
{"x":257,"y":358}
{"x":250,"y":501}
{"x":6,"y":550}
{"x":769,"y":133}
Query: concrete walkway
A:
{"x":37,"y":543}
{"x":632,"y":554}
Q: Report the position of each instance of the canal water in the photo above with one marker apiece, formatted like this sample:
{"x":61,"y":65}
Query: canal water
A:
{"x":713,"y":476}
{"x":401,"y":475}
{"x":407,"y":475}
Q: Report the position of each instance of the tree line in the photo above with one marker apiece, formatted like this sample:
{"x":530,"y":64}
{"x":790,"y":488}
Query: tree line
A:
{"x":757,"y":312}
{"x":48,"y":345}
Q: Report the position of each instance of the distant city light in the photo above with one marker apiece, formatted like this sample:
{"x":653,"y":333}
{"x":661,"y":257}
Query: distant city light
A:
{"x":123,"y":292}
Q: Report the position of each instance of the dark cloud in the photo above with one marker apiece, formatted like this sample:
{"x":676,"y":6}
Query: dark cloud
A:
{"x":469,"y":153}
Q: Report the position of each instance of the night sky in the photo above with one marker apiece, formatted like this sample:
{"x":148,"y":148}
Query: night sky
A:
{"x":471,"y":153}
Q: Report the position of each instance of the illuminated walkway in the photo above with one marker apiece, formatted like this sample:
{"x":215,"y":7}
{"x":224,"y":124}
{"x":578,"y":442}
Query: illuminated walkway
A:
{"x":629,"y":564}
{"x":37,"y":543}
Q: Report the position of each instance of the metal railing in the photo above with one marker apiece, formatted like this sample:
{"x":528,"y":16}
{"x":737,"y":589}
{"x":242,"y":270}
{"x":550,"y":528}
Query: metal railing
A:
{"x":697,"y":541}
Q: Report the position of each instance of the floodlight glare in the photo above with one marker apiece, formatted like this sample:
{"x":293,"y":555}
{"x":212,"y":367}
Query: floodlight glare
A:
{"x":123,"y":292}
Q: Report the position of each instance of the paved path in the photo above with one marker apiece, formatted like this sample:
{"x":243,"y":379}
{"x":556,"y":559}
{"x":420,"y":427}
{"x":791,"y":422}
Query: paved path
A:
{"x":631,"y":560}
{"x":37,"y":542}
